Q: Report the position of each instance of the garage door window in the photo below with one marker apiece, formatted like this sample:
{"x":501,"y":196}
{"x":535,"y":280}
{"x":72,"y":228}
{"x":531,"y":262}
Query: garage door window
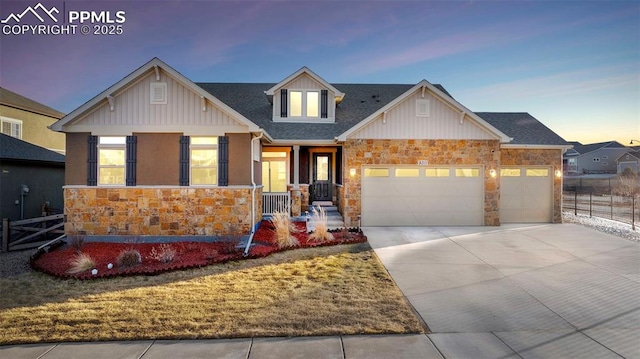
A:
{"x":537,"y":172}
{"x":407,"y":172}
{"x":376,"y":172}
{"x":510,"y":172}
{"x":467,"y":172}
{"x":436,"y":172}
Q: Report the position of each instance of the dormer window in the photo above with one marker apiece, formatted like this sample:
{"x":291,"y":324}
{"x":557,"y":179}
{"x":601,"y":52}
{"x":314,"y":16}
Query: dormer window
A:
{"x":304,"y":102}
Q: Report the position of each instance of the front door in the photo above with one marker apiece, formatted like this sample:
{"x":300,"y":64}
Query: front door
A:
{"x":322,"y":176}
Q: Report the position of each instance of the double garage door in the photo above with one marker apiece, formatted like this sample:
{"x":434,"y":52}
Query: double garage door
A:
{"x":430,"y":196}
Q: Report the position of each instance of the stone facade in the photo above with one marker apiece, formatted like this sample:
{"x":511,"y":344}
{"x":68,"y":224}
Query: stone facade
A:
{"x":160,"y":211}
{"x":539,"y":157}
{"x":359,"y":153}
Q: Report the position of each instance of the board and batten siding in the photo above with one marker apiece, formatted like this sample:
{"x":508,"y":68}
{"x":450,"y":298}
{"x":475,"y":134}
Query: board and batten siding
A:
{"x":403,"y":123}
{"x":133,"y":111}
{"x":304,"y":83}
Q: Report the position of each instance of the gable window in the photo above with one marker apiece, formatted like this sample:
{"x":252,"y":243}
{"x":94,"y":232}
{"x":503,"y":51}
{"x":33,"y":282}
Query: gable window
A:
{"x":158,"y":93}
{"x":111,"y":160}
{"x":304,"y":103}
{"x":11,"y":127}
{"x":203,"y":160}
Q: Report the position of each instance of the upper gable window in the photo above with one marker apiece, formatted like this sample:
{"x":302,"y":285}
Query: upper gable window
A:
{"x":158,"y":93}
{"x":11,"y":127}
{"x":304,"y":103}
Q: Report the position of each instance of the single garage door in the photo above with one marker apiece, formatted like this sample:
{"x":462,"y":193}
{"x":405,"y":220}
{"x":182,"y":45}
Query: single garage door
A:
{"x":422,"y":196}
{"x":526,"y":194}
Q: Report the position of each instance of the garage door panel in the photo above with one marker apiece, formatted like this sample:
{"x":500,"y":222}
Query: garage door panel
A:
{"x":420,"y":201}
{"x":526,"y":198}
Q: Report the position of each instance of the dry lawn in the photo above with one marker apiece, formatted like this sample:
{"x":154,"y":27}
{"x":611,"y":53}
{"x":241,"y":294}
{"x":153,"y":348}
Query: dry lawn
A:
{"x":319,"y":291}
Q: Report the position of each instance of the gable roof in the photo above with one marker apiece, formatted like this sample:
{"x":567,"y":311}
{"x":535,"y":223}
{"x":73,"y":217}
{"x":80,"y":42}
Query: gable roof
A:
{"x":523,"y":128}
{"x":142,"y":71}
{"x":12,"y":148}
{"x":12,"y":99}
{"x":631,"y":154}
{"x":584,"y":149}
{"x":444,"y":96}
{"x":305,"y":70}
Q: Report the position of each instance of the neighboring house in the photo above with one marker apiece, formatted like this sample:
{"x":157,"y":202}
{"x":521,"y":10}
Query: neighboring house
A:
{"x":157,"y":154}
{"x":28,"y":120}
{"x":628,"y":162}
{"x":594,"y":158}
{"x":31,"y":177}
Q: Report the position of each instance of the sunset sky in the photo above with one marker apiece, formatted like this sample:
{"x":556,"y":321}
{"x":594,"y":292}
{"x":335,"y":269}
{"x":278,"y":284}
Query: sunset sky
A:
{"x":574,"y":65}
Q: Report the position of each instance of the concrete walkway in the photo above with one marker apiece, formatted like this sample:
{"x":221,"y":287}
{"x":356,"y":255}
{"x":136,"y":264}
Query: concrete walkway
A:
{"x":516,"y":291}
{"x":530,"y":291}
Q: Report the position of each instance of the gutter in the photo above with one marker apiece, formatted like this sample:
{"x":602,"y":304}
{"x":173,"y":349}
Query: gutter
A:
{"x":254,"y":186}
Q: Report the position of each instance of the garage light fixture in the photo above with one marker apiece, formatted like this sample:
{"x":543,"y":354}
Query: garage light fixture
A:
{"x":558,"y":173}
{"x":352,"y":172}
{"x":493,"y":173}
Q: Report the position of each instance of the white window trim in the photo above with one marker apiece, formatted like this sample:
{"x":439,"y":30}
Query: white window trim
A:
{"x":303,"y":104}
{"x":14,"y":122}
{"x":113,"y":146}
{"x":204,"y":147}
{"x":287,"y":159}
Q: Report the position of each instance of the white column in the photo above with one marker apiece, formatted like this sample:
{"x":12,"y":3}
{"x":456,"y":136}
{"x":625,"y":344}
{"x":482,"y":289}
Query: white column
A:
{"x":296,"y":167}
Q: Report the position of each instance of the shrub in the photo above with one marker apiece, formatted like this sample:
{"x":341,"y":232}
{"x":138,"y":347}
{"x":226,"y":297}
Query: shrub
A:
{"x":165,"y":254}
{"x":81,"y":263}
{"x":129,"y":258}
{"x":76,"y":242}
{"x":283,"y":228}
{"x":321,"y":233}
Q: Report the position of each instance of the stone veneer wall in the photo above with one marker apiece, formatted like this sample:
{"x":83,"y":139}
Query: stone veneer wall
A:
{"x":539,"y":157}
{"x":160,"y":211}
{"x":360,"y":153}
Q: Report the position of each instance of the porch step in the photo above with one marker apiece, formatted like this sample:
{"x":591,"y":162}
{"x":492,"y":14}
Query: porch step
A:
{"x":334,"y":218}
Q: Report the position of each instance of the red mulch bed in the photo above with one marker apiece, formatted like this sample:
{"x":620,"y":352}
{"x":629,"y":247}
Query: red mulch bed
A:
{"x":188,"y":254}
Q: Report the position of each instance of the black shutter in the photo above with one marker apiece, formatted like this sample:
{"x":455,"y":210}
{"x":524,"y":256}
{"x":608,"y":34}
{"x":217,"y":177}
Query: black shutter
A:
{"x":92,"y":161}
{"x":284,"y":98}
{"x":324,"y":104}
{"x":131,"y":154}
{"x":184,"y":160}
{"x":223,"y":161}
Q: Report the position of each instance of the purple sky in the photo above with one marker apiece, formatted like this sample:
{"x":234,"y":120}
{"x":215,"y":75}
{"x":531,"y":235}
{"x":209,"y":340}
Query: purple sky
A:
{"x":574,"y":65}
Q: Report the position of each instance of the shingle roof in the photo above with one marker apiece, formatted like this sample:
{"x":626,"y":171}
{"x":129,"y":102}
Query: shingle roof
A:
{"x":12,"y":99}
{"x":14,"y":149}
{"x":360,"y":101}
{"x":582,"y":149}
{"x":523,"y":128}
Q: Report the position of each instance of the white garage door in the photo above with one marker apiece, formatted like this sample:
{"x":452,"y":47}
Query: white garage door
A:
{"x":421,"y":196}
{"x":526,"y":194}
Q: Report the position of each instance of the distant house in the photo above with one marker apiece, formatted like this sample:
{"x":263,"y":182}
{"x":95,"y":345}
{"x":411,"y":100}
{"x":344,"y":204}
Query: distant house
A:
{"x":629,"y":162}
{"x":594,"y":158}
{"x":31,"y":178}
{"x":158,"y":154}
{"x":28,"y":120}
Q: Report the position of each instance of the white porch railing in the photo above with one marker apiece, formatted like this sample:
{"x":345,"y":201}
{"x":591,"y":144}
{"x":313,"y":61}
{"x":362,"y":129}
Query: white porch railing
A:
{"x":276,"y":201}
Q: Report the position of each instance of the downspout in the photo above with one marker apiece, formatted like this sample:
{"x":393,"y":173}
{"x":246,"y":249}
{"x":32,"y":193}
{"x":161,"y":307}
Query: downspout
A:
{"x":254,"y":186}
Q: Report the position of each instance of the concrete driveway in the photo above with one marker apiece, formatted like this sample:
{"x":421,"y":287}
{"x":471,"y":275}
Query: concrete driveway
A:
{"x":531,"y":291}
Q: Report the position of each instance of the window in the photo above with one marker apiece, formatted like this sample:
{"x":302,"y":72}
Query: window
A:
{"x":11,"y":127}
{"x":376,"y":172}
{"x":467,"y":172}
{"x":307,"y":103}
{"x":436,"y":172}
{"x":509,"y":172}
{"x":274,"y":171}
{"x":537,"y":172}
{"x":204,"y":160}
{"x":407,"y":172}
{"x":111,"y":160}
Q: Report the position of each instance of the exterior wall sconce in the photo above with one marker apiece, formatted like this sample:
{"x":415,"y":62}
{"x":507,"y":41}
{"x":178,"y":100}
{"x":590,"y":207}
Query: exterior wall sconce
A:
{"x":558,"y":173}
{"x":352,"y":172}
{"x":493,"y":173}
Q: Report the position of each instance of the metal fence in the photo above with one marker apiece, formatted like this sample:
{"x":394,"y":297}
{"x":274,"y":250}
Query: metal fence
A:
{"x":618,"y":208}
